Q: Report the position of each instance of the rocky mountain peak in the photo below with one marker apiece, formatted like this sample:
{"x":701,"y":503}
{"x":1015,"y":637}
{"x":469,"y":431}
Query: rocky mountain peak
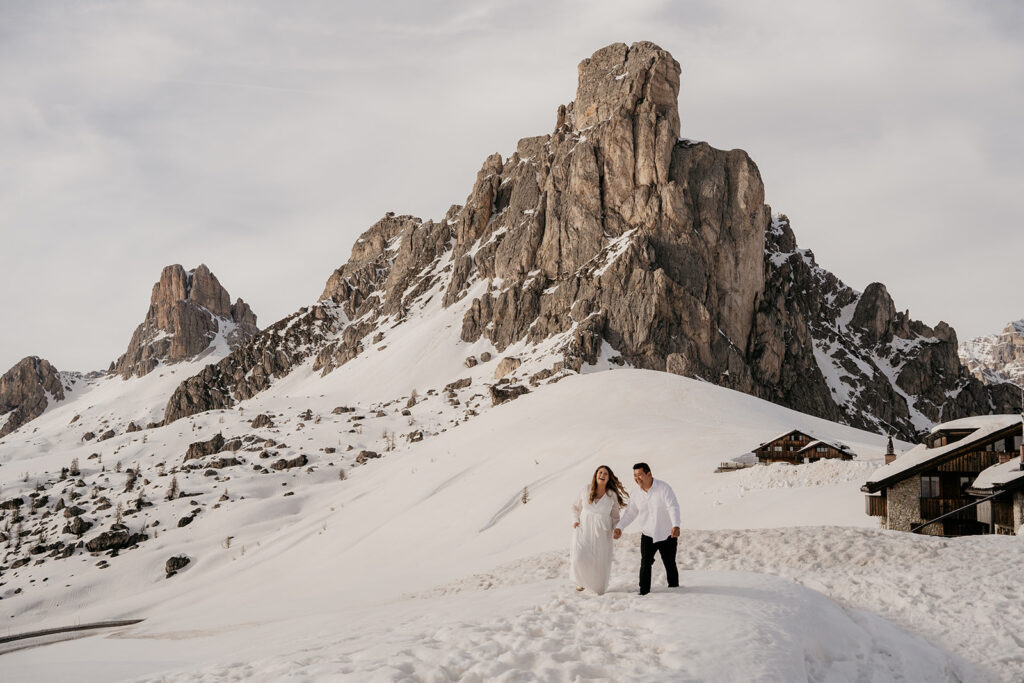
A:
{"x":611,"y":237}
{"x":25,"y":391}
{"x":631,"y":81}
{"x":875,"y":312}
{"x":187,"y":310}
{"x":997,"y":358}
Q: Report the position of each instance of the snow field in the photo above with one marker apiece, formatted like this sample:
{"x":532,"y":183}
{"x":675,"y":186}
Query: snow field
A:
{"x":430,"y":549}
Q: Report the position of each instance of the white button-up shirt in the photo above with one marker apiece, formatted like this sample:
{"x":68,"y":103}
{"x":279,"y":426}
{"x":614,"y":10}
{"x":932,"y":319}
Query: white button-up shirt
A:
{"x":657,"y":509}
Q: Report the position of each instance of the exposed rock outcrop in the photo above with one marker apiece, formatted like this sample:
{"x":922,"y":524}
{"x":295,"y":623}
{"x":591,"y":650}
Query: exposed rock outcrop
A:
{"x":114,"y":540}
{"x":872,"y":366}
{"x":176,"y":563}
{"x":25,"y":391}
{"x":613,"y":234}
{"x":187,"y":311}
{"x":997,"y":358}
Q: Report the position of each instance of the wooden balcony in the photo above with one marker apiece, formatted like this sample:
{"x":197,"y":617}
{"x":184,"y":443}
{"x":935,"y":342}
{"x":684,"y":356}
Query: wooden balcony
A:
{"x":935,"y":507}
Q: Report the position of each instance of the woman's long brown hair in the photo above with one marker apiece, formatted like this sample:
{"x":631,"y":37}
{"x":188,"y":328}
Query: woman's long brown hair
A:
{"x":613,"y":485}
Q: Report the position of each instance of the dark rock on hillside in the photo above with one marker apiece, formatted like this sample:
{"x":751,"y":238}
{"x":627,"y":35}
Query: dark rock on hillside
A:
{"x":175,"y":563}
{"x":366,"y":456}
{"x":114,"y":540}
{"x":261,"y":421}
{"x":25,"y":391}
{"x":283,"y":464}
{"x":502,"y":394}
{"x":76,"y":526}
{"x":186,"y":311}
{"x":216,"y":444}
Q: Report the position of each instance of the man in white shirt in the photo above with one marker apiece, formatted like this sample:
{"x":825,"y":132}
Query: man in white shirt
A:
{"x":656,"y":507}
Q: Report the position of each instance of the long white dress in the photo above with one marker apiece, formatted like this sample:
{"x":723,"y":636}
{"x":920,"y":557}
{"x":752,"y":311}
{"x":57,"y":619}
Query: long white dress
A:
{"x":590,"y":553}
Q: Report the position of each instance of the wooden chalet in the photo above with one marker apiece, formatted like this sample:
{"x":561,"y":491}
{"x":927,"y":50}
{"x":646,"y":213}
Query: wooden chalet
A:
{"x":1000,"y":489}
{"x":796,"y":447}
{"x":926,"y":489}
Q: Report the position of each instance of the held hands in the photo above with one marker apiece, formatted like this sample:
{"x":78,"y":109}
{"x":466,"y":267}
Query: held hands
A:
{"x":617,"y":533}
{"x":575,"y":524}
{"x":675,"y":532}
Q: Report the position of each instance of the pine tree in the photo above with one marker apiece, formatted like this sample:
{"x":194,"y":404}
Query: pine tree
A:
{"x":173,"y":490}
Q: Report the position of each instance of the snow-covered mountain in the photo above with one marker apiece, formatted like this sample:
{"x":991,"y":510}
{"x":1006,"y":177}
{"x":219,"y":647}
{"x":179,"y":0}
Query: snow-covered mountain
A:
{"x":190,"y":318}
{"x":445,"y":557}
{"x":997,"y":358}
{"x":375,"y":486}
{"x":611,"y":238}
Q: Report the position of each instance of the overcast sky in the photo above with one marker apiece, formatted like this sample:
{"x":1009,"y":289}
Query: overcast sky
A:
{"x":262,"y":138}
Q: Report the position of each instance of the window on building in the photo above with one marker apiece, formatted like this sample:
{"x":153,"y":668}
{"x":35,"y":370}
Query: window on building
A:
{"x":821,"y":449}
{"x":777,"y":449}
{"x":964,"y":483}
{"x":1016,"y":442}
{"x":930,"y":487}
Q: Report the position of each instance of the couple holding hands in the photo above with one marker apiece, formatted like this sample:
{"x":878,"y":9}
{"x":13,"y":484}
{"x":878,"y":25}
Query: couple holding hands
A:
{"x":597,"y":520}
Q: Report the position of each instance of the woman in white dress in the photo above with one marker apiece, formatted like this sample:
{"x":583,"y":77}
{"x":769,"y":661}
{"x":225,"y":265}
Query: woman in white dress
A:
{"x":595,"y":514}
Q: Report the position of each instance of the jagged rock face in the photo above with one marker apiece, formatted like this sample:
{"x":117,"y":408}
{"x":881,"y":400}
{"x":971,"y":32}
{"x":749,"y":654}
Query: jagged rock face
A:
{"x":186,"y":312}
{"x":613,"y":231}
{"x":997,"y":358}
{"x":872,"y":366}
{"x":251,"y":368}
{"x":25,"y":391}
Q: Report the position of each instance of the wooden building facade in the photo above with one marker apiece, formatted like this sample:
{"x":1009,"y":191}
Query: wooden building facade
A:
{"x":796,"y":447}
{"x":933,"y":479}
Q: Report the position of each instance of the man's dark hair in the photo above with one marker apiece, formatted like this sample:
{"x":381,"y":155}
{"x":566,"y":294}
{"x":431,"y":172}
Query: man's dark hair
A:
{"x":642,"y":466}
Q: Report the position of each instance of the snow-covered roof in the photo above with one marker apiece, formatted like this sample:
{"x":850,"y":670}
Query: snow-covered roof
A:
{"x":782,"y":436}
{"x":998,"y":476}
{"x":976,"y":422}
{"x":842,"y":448}
{"x":983,"y":426}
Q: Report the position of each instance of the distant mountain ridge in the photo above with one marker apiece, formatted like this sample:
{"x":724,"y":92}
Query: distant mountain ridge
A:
{"x":997,"y":358}
{"x":613,"y":236}
{"x":190,"y":317}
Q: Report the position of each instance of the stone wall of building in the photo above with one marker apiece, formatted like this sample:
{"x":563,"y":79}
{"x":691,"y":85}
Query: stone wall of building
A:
{"x":1018,"y":510}
{"x":903,"y":505}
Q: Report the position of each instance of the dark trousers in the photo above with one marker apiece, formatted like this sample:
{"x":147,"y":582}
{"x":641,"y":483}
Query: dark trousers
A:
{"x":667,"y":549}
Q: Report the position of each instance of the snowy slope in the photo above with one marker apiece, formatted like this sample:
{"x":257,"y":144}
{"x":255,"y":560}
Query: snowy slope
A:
{"x":426,"y":561}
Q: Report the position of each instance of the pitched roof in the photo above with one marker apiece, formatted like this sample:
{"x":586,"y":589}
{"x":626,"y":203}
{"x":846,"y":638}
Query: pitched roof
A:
{"x":920,"y":457}
{"x":841,"y":447}
{"x":1000,"y":476}
{"x":782,"y":436}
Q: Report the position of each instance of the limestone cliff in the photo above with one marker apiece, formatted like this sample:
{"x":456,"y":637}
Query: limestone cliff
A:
{"x":186,"y":313}
{"x":26,"y":390}
{"x":997,"y":358}
{"x":612,"y":234}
